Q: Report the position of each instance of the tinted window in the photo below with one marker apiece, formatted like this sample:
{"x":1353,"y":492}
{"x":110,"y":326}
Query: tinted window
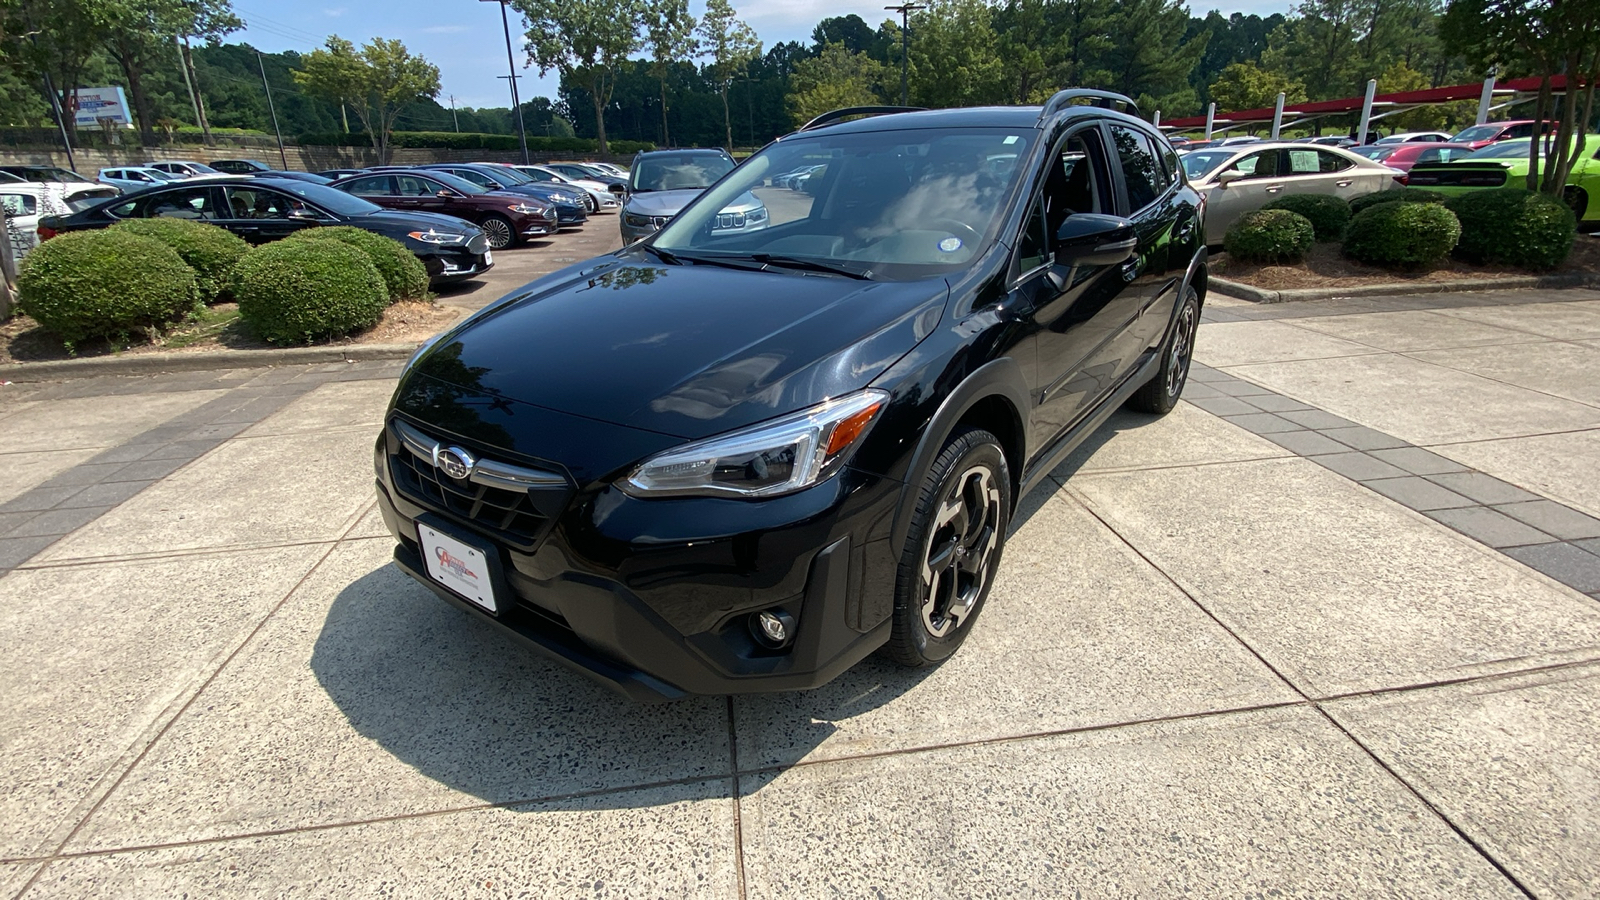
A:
{"x":1170,"y":158}
{"x":414,"y":186}
{"x":255,"y":203}
{"x":673,"y":172}
{"x":1258,"y":165}
{"x":181,"y":203}
{"x":1031,"y":246}
{"x":1200,"y":163}
{"x":1141,"y":168}
{"x":479,"y":179}
{"x":536,"y":175}
{"x":327,"y":198}
{"x":1332,"y":162}
{"x":376,"y":186}
{"x":459,"y":184}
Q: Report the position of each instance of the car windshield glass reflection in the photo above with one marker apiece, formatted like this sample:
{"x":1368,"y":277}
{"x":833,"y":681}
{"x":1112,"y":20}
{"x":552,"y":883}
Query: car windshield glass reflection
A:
{"x":1203,"y":162}
{"x":677,"y":173}
{"x":885,"y":205}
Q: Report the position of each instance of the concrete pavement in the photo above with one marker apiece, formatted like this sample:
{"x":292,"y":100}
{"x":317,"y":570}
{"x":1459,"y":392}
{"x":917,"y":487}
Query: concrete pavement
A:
{"x":1324,"y":630}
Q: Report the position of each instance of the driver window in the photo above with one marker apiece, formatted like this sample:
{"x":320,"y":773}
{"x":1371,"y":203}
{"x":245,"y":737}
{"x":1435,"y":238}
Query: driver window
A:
{"x":1074,"y":184}
{"x":194,"y":203}
{"x":412,"y":186}
{"x":1257,"y":165}
{"x":1031,"y":246}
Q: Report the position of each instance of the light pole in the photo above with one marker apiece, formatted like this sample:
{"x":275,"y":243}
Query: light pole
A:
{"x":511,"y":60}
{"x":905,"y":10}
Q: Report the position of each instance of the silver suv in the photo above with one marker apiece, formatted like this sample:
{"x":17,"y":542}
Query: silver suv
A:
{"x":663,"y":182}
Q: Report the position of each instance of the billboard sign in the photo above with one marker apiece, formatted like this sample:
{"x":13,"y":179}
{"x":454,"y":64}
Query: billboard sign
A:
{"x":90,"y":105}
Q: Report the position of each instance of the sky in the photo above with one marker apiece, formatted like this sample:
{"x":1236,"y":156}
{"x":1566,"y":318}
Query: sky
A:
{"x":465,"y":39}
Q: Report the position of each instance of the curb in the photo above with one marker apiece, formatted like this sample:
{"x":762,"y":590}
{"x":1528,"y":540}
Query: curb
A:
{"x":200,"y":360}
{"x":1521,"y":282}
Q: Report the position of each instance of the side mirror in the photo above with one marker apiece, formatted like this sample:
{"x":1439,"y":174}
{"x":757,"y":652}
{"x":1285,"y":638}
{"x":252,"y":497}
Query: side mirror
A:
{"x":1229,"y":177}
{"x":445,"y":194}
{"x":1092,"y":239}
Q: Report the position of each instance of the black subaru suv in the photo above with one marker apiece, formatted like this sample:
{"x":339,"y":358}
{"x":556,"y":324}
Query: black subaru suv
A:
{"x":718,"y":462}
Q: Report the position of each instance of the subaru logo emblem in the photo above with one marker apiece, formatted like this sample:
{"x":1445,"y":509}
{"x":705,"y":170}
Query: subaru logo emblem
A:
{"x":455,"y":462}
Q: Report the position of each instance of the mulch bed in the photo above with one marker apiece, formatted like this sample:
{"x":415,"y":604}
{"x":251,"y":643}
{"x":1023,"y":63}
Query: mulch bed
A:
{"x":218,"y":328}
{"x":1327,"y":267}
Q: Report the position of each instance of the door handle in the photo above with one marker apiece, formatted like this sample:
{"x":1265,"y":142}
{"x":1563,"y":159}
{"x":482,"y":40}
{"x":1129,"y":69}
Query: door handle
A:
{"x":1345,"y":183}
{"x":1274,"y":189}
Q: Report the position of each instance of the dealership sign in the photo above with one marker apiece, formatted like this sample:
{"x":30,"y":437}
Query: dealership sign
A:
{"x":90,"y":106}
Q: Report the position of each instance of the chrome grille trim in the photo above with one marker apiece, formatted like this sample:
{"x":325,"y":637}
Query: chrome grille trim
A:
{"x":485,"y":472}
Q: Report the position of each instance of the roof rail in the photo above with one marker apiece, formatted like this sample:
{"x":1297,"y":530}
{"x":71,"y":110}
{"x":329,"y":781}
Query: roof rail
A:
{"x":828,"y":118}
{"x":1106,"y":100}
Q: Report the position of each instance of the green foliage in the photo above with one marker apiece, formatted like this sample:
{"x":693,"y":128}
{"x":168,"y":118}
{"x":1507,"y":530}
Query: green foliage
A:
{"x":375,"y":82}
{"x":837,"y":78}
{"x":1269,"y":236}
{"x":403,"y":274}
{"x":1328,"y":215}
{"x":89,"y":284}
{"x":584,"y":40}
{"x":1396,"y":195}
{"x":956,"y":55}
{"x":209,"y":250}
{"x":1402,"y":235}
{"x":1245,"y":85}
{"x":449,"y":140}
{"x":1514,"y":227}
{"x":296,"y":292}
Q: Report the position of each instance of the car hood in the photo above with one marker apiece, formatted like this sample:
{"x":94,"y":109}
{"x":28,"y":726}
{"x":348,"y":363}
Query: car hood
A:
{"x":683,"y":350}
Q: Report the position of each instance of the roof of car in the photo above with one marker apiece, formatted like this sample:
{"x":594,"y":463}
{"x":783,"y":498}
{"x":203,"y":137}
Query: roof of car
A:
{"x":963,"y":117}
{"x":710,"y":151}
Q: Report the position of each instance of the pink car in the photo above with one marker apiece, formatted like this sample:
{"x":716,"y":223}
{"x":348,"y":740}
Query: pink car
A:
{"x":1404,"y":156}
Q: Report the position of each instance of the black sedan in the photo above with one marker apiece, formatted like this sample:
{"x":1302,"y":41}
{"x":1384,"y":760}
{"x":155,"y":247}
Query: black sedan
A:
{"x":718,"y":461}
{"x":265,"y":208}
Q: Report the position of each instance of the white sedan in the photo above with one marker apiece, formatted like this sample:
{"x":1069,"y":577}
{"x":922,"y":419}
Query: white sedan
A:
{"x":1237,"y":180}
{"x":600,"y":197}
{"x":28,"y":202}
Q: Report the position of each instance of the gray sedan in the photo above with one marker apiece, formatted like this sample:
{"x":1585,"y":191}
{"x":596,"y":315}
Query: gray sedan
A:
{"x":1237,"y":180}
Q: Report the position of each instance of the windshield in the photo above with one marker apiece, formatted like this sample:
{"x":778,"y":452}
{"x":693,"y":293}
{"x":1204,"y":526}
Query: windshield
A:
{"x":510,"y":175}
{"x":884,"y":205}
{"x":331,"y":199}
{"x":1201,"y":163}
{"x":1374,"y":152}
{"x":202,"y":168}
{"x":457,"y":183}
{"x":674,"y":172}
{"x":48,"y":174}
{"x":1477,"y":133}
{"x":159,"y":175}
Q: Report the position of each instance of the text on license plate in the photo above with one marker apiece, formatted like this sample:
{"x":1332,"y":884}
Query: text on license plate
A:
{"x":459,"y":566}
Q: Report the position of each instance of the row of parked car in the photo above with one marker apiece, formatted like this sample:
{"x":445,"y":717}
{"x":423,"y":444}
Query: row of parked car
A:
{"x":451,"y":215}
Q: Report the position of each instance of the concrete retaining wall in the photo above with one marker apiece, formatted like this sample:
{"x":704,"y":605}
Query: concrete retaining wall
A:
{"x":90,"y":160}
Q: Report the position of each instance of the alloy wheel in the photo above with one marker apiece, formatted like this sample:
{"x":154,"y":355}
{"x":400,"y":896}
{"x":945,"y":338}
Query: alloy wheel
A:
{"x":1182,"y":349}
{"x":499,"y":233}
{"x":962,"y":539}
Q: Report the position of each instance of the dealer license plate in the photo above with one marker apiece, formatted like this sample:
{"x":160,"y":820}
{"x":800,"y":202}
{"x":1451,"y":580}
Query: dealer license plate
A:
{"x":488,"y":257}
{"x":459,"y":566}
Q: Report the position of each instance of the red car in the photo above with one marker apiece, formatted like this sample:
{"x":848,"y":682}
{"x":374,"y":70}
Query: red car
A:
{"x":1493,"y":132}
{"x":507,"y":219}
{"x":1404,"y":156}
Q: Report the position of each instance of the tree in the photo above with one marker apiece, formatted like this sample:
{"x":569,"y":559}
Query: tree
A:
{"x":731,"y":45}
{"x":584,"y":40}
{"x":670,"y":30}
{"x":1244,"y":85}
{"x":375,"y":82}
{"x":834,"y":79}
{"x":54,"y":41}
{"x":854,"y":33}
{"x":1153,"y":59}
{"x":955,"y":55}
{"x":141,"y":35}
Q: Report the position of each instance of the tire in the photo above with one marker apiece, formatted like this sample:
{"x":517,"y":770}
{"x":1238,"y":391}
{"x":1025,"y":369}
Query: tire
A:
{"x":963,"y":508}
{"x":499,"y":230}
{"x":1160,"y":394}
{"x":1578,"y":199}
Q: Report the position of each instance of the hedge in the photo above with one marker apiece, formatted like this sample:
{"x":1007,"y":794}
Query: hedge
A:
{"x":403,"y":274}
{"x":1402,"y":235}
{"x":451,"y":140}
{"x":1269,"y":236}
{"x":1514,"y":227}
{"x":1395,"y":195}
{"x":109,"y":283}
{"x":209,"y":250}
{"x":1328,"y":215}
{"x":296,"y":292}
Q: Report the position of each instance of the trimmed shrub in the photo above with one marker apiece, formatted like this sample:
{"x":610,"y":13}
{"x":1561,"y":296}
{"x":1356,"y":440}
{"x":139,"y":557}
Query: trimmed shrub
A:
{"x":1514,"y":227}
{"x":1402,"y":235}
{"x":1328,"y":215}
{"x":296,"y":292}
{"x":1269,"y":236}
{"x":89,"y":284}
{"x":210,"y":251}
{"x":1395,"y":195}
{"x":402,"y":272}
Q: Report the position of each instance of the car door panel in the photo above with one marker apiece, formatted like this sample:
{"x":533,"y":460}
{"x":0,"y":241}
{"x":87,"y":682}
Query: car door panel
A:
{"x":1225,"y":203}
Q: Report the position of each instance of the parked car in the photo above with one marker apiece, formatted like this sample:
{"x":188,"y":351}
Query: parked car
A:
{"x":241,"y":167}
{"x":28,"y":202}
{"x":336,"y":174}
{"x":616,"y":184}
{"x":298,"y":176}
{"x":135,"y":178}
{"x":1407,"y":137}
{"x":1236,"y":180}
{"x":675,"y":490}
{"x":507,"y":218}
{"x":596,"y":193}
{"x":74,"y":184}
{"x":1506,"y":164}
{"x":1404,"y":156}
{"x":665,"y":181}
{"x":184,"y":168}
{"x":794,"y":180}
{"x":8,"y":178}
{"x":1488,"y":133}
{"x":570,"y":203}
{"x":265,"y":208}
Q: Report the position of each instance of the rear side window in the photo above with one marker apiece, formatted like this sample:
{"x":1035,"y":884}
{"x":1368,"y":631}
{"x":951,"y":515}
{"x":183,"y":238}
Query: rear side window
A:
{"x":20,"y":204}
{"x":1141,"y":167}
{"x":377,"y":186}
{"x":1332,"y":162}
{"x":193,"y":203}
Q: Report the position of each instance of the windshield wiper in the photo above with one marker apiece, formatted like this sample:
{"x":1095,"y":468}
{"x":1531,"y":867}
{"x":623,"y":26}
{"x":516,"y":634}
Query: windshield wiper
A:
{"x":810,"y":265}
{"x":670,"y":259}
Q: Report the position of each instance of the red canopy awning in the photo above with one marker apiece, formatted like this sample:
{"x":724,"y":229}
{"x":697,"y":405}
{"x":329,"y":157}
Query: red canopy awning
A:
{"x":1353,"y":104}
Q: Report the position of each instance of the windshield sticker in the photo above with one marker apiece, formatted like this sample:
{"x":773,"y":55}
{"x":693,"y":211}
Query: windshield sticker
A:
{"x":950,"y":244}
{"x":1010,"y":139}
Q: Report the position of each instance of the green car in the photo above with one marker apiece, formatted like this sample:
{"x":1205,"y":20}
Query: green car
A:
{"x":1505,"y":164}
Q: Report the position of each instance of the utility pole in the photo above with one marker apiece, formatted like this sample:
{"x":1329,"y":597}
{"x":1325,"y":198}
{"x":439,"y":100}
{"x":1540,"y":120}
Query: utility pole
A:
{"x":453,"y":117}
{"x":511,"y":60}
{"x":194,"y":103}
{"x":905,"y":10}
{"x":274,"y":110}
{"x":192,"y":79}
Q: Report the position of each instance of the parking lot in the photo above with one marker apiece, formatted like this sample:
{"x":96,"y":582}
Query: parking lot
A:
{"x":1330,"y":628}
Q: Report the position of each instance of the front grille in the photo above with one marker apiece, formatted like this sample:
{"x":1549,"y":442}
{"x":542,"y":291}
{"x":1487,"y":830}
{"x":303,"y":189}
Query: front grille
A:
{"x":516,"y":503}
{"x":730,"y":220}
{"x":478,"y":245}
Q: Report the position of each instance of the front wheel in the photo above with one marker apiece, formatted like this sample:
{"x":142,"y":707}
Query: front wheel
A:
{"x":499,"y":231}
{"x":1161,"y":393}
{"x":952,"y":550}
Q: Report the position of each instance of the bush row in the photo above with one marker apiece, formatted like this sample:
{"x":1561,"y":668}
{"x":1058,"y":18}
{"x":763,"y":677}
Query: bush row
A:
{"x":143,"y":275}
{"x":451,"y":140}
{"x":1410,"y":228}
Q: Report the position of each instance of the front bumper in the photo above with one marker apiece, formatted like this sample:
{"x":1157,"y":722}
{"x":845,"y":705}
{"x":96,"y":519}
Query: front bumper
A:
{"x":653,"y":597}
{"x":448,"y":265}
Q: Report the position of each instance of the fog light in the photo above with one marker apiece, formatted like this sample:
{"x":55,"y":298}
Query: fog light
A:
{"x":772,"y":628}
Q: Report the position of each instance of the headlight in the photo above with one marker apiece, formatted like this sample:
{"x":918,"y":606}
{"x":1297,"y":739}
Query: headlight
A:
{"x":638,"y":221}
{"x":759,"y":214}
{"x":777,"y":457}
{"x":437,"y":237}
{"x":525,"y":209}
